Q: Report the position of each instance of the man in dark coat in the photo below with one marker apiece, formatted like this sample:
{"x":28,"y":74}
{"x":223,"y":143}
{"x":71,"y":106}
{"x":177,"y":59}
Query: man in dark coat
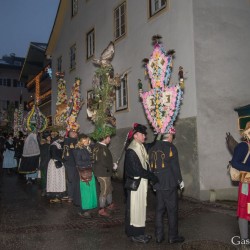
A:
{"x":72,"y":176}
{"x":136,"y":167}
{"x":44,"y":159}
{"x":164,"y":163}
{"x":2,"y":148}
{"x":103,"y":167}
{"x":19,"y":143}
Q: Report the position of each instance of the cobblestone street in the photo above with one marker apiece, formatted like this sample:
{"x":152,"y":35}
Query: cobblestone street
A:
{"x":29,"y":221}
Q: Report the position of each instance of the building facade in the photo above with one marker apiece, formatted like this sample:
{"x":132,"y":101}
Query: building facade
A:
{"x":12,"y":90}
{"x":211,"y":43}
{"x":37,"y":78}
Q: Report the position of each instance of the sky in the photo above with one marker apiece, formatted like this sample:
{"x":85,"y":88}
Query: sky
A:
{"x":25,"y":21}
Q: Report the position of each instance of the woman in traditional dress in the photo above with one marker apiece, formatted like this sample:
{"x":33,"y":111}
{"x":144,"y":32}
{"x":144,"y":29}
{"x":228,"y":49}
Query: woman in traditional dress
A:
{"x":30,"y":158}
{"x":56,"y":182}
{"x":82,"y":154}
{"x":9,"y":162}
{"x":241,"y":161}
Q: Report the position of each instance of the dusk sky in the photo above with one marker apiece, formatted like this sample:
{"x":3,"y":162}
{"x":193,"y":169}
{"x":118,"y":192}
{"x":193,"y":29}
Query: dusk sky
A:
{"x":25,"y":21}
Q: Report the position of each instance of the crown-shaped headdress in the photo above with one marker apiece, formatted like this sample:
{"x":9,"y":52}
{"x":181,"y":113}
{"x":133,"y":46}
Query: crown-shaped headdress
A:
{"x":162,"y":102}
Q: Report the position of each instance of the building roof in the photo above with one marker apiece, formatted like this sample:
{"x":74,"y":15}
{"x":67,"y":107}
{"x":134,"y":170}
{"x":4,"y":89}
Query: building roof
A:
{"x":11,"y":62}
{"x":35,"y":61}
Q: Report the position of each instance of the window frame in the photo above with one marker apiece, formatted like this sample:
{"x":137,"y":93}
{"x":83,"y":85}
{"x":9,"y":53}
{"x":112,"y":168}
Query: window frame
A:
{"x":74,"y":7}
{"x":119,"y":95}
{"x":161,"y":7}
{"x":119,"y":19}
{"x":90,"y":51}
{"x":72,"y":54}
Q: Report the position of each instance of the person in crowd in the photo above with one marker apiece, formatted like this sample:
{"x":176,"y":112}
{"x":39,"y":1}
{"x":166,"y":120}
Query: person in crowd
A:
{"x":83,"y":160}
{"x":103,"y":167}
{"x":2,"y":148}
{"x":44,"y":159}
{"x":164,"y":163}
{"x":136,"y":166}
{"x":241,"y":161}
{"x":72,"y":176}
{"x":56,"y":181}
{"x":19,"y":144}
{"x":30,"y":158}
{"x":9,"y":162}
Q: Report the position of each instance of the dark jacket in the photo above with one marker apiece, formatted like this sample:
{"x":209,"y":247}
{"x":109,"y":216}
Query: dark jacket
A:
{"x":133,"y":167}
{"x":82,"y":157}
{"x":239,"y":155}
{"x":55,"y":153}
{"x":19,"y":148}
{"x":44,"y":155}
{"x":103,"y":161}
{"x":164,"y":163}
{"x":68,"y":148}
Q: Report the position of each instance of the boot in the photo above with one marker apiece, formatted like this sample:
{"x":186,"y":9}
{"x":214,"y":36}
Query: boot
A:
{"x":103,"y":212}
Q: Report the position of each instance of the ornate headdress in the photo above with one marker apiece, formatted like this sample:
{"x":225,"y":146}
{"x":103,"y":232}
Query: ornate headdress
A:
{"x":162,"y":102}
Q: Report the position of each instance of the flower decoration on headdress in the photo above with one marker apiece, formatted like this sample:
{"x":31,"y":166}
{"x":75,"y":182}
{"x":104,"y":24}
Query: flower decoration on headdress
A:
{"x":100,"y":104}
{"x":162,"y":102}
{"x":74,"y":106}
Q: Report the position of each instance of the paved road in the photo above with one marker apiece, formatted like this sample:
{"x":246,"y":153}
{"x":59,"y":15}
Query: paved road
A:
{"x":29,"y":222}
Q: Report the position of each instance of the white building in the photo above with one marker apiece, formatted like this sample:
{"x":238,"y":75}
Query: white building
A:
{"x":211,"y":40}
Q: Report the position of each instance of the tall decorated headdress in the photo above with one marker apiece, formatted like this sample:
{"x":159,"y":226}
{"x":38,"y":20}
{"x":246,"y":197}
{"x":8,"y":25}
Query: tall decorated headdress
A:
{"x":162,"y":102}
{"x":62,"y":99}
{"x":35,"y":121}
{"x":99,"y":106}
{"x":75,"y":103}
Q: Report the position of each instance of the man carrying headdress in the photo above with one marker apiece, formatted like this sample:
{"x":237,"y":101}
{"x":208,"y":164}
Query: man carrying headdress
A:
{"x":136,"y":166}
{"x":164,"y":163}
{"x":241,"y":161}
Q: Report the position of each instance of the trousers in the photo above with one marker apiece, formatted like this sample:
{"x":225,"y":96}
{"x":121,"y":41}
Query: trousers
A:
{"x":167,"y":200}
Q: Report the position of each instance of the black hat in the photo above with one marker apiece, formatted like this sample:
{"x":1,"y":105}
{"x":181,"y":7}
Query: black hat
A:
{"x":137,"y":128}
{"x":45,"y":134}
{"x":140,"y":128}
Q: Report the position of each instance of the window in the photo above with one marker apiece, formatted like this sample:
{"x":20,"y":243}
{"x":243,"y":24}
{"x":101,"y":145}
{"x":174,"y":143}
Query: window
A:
{"x":5,"y":82}
{"x":17,"y":84}
{"x":59,"y":64}
{"x":74,"y":4}
{"x":73,"y":57}
{"x":90,"y":43}
{"x":156,"y":6}
{"x":122,"y":95}
{"x":3,"y":105}
{"x":120,"y":20}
